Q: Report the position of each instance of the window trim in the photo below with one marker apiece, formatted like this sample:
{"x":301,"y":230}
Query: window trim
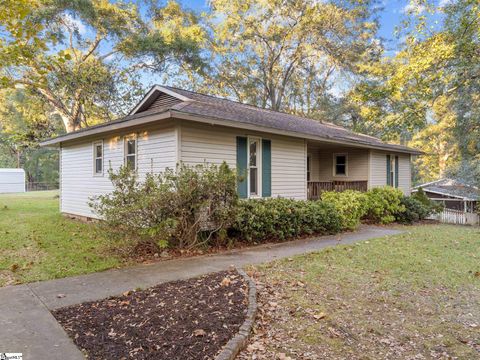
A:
{"x":392,"y":174}
{"x":125,"y":149}
{"x":335,"y":164}
{"x":309,"y":167}
{"x":94,"y":152}
{"x":259,"y":167}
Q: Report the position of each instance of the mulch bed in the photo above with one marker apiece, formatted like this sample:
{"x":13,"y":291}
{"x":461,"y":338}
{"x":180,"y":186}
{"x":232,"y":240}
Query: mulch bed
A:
{"x":187,"y":319}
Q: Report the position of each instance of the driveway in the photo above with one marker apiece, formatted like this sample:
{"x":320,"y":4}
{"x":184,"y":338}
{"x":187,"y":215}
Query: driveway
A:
{"x":27,"y":326}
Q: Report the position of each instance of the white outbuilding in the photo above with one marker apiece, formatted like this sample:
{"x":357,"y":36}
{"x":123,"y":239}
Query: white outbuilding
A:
{"x":12,"y":180}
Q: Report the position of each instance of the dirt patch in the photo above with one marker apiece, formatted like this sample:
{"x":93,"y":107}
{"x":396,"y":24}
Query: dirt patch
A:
{"x":188,"y":319}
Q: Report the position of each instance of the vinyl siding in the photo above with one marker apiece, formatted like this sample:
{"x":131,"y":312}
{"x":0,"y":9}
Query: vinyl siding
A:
{"x":314,"y":164}
{"x":357,"y":165}
{"x":155,"y":151}
{"x":378,"y":170}
{"x":202,"y":143}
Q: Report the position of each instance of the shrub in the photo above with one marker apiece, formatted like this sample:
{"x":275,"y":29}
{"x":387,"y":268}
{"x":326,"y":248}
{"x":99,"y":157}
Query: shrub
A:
{"x":383,"y":203}
{"x":433,"y":207}
{"x":351,"y":206}
{"x":265,"y":219}
{"x":173,"y":208}
{"x":413,"y":211}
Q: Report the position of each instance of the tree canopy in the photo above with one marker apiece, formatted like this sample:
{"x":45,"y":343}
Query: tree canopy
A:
{"x":285,"y":55}
{"x":80,"y":56}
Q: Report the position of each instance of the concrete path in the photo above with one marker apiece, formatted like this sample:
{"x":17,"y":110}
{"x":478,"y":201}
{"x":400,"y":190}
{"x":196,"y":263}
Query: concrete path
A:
{"x":27,"y":326}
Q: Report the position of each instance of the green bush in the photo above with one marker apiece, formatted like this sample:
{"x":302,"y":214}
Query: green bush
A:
{"x":413,"y":211}
{"x":433,"y":207}
{"x":280,"y":219}
{"x":383,"y":203}
{"x":351,"y":206}
{"x":182,"y":208}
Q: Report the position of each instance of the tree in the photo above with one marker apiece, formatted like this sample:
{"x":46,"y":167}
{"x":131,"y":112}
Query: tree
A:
{"x":81,"y":56}
{"x":427,"y":94}
{"x":261,"y":52}
{"x":23,"y":124}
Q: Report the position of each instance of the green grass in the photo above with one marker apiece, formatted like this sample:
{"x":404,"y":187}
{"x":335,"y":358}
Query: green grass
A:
{"x":37,"y":243}
{"x":392,"y":297}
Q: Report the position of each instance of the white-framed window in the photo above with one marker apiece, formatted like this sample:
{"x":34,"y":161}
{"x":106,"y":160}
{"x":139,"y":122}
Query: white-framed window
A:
{"x":392,"y":170}
{"x":254,"y":167}
{"x":98,"y":158}
{"x":340,"y":164}
{"x":309,"y":166}
{"x":130,"y":151}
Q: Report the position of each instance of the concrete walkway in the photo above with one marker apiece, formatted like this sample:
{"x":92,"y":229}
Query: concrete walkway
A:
{"x":27,"y":326}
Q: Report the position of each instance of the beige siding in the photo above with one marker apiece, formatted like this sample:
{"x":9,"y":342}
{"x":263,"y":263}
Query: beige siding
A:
{"x":202,"y":143}
{"x":155,"y":149}
{"x":314,"y":164}
{"x":378,"y":169}
{"x":357,"y":165}
{"x":404,"y":173}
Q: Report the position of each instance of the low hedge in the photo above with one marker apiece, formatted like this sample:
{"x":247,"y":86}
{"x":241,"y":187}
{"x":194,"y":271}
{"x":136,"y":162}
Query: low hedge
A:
{"x":261,"y":220}
{"x":351,"y":205}
{"x":414,"y":210}
{"x":382,"y":204}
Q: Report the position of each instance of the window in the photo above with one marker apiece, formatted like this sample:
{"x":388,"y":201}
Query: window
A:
{"x":131,"y":152}
{"x":254,"y":166}
{"x":98,"y":158}
{"x":340,"y":164}
{"x":309,"y":166}
{"x":392,"y":170}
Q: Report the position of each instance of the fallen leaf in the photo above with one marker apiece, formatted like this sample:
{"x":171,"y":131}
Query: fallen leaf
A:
{"x":225,"y":282}
{"x":199,"y":332}
{"x":319,"y":316}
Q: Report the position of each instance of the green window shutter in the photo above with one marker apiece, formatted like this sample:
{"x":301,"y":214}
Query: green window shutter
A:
{"x":242,"y":166}
{"x":396,"y":171}
{"x":388,"y":170}
{"x":266,"y":168}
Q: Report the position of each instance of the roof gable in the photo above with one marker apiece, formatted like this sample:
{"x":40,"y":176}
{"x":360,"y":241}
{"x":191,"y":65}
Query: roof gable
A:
{"x":158,"y":98}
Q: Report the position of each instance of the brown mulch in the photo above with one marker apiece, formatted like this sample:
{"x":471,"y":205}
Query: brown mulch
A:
{"x":187,"y":319}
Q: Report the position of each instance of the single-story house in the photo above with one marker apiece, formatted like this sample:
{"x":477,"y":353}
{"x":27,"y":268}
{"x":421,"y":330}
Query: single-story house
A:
{"x":282,"y":154}
{"x":453,"y":194}
{"x":12,"y":180}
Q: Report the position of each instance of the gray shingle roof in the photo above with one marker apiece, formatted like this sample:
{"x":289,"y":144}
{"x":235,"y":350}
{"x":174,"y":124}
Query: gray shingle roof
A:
{"x":453,"y":188}
{"x":207,"y":106}
{"x":211,"y":106}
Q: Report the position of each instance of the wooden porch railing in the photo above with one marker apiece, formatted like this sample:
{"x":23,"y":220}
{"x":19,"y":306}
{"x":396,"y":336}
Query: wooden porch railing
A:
{"x":315,"y":188}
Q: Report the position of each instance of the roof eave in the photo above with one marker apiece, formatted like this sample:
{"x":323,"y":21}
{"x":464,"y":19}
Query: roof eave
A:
{"x":149,"y":118}
{"x":115,"y":126}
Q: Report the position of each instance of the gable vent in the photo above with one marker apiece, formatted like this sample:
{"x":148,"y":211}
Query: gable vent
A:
{"x":161,"y":101}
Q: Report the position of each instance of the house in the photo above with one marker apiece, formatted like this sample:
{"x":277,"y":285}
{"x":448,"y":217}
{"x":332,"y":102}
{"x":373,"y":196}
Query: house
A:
{"x":12,"y":180}
{"x":282,"y":154}
{"x":453,"y":194}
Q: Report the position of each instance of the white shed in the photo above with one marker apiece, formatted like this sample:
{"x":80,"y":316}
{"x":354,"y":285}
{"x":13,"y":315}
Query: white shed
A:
{"x":12,"y":180}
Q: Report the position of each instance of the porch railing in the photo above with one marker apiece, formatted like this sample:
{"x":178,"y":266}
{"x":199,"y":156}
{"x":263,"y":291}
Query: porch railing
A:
{"x":315,"y":188}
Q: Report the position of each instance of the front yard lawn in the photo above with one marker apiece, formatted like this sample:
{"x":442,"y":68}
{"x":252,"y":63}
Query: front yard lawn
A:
{"x":410,"y":296}
{"x":37,"y":243}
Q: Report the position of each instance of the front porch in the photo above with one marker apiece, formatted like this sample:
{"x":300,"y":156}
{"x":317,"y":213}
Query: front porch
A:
{"x":315,"y":188}
{"x":332,"y":167}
